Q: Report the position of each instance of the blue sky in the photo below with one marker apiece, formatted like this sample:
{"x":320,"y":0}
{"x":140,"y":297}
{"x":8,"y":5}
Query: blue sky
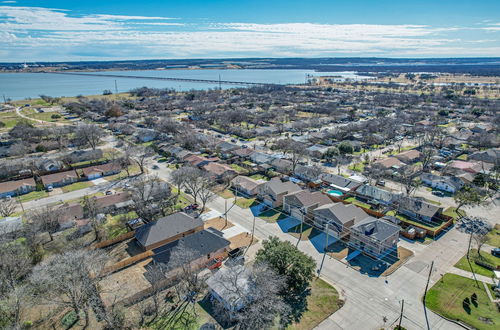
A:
{"x":108,"y":30}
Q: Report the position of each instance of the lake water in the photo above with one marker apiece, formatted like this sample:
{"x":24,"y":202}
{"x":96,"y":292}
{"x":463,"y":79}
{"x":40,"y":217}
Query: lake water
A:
{"x":17,"y":86}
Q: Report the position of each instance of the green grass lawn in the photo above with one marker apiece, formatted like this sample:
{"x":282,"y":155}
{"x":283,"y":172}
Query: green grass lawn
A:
{"x":259,"y":177}
{"x":9,"y":119}
{"x":238,"y":168}
{"x":354,"y":201}
{"x":407,"y":220}
{"x":493,"y":237}
{"x":45,"y":116}
{"x":358,"y":167}
{"x":323,"y":301}
{"x":33,"y":195}
{"x":77,"y":186}
{"x":463,"y":157}
{"x":433,"y":202}
{"x":226,"y":194}
{"x":447,"y":295}
{"x":452,"y":212}
{"x":114,"y":225}
{"x":487,"y":257}
{"x":272,"y":215}
{"x":244,"y":203}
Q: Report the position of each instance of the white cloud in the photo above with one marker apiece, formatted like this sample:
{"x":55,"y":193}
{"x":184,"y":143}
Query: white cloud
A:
{"x":55,"y":34}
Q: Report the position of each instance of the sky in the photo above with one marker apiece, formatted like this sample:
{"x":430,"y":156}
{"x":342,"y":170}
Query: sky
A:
{"x":88,"y":30}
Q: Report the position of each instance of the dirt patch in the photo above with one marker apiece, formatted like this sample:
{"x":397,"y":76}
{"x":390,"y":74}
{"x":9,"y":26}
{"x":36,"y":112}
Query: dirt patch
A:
{"x":339,"y":255}
{"x":125,"y":283}
{"x":403,"y":256}
{"x":218,"y":223}
{"x":55,"y":191}
{"x":243,"y":239}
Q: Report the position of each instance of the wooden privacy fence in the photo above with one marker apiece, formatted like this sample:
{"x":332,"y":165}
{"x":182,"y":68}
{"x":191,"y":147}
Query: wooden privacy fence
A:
{"x":115,"y":240}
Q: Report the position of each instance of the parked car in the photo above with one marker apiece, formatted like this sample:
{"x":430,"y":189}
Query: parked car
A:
{"x":191,"y":207}
{"x":109,"y":192}
{"x":233,"y":140}
{"x":214,"y":263}
{"x":381,"y":183}
{"x":438,"y":193}
{"x":155,"y":167}
{"x":235,"y":253}
{"x":495,"y":252}
{"x":50,"y":188}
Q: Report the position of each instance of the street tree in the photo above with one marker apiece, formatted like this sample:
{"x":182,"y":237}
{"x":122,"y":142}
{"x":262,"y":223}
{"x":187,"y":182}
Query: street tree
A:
{"x":89,"y":134}
{"x":141,"y":154}
{"x":468,"y":196}
{"x":7,"y":207}
{"x":46,"y":219}
{"x":70,"y":280}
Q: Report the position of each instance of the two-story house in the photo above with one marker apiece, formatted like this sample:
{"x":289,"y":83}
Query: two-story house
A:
{"x":375,"y":237}
{"x":336,"y":219}
{"x":273,"y":191}
{"x":301,"y":204}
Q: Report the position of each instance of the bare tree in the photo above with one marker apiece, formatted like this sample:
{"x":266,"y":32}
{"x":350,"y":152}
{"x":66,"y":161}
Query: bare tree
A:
{"x":46,"y":219}
{"x":206,"y":192}
{"x":15,"y":264}
{"x":141,"y":155}
{"x":260,"y":298}
{"x":151,"y":196}
{"x":193,"y":180}
{"x":13,"y":306}
{"x":89,"y":134}
{"x":70,"y":280}
{"x":91,"y":210}
{"x":7,"y":207}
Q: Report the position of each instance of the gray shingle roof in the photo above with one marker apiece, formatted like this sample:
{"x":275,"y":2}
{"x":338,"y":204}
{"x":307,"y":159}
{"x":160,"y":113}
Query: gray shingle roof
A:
{"x":375,"y":193}
{"x":306,"y":198}
{"x":418,"y":206}
{"x":277,"y":186}
{"x":376,"y":228}
{"x":202,"y":243}
{"x":339,"y":181}
{"x":166,"y":227}
{"x":341,"y":212}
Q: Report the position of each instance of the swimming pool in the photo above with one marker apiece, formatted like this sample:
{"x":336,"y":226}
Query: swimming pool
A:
{"x":334,"y":192}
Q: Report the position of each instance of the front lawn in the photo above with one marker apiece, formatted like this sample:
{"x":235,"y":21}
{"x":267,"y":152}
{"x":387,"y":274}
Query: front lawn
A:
{"x":452,"y":212}
{"x":33,"y":195}
{"x":447,"y":298}
{"x":272,"y":215}
{"x":323,"y":301}
{"x":226,"y":194}
{"x":244,"y":203}
{"x":487,"y":257}
{"x":77,"y":186}
{"x":358,"y":167}
{"x":259,"y":177}
{"x":493,"y":237}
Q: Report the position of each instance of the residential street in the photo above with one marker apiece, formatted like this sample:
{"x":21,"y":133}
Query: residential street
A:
{"x":368,"y":299}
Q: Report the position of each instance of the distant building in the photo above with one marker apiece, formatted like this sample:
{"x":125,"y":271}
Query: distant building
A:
{"x":17,"y":187}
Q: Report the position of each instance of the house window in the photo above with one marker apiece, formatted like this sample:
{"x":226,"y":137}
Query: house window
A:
{"x":208,"y":256}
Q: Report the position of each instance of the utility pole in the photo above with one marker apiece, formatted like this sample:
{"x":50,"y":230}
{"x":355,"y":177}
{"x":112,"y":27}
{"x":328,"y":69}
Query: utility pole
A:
{"x":225,"y":212}
{"x":220,"y":87}
{"x":116,"y":87}
{"x":425,"y":295}
{"x":401,"y":316}
{"x":301,"y":224}
{"x":4,"y":99}
{"x":468,"y":259}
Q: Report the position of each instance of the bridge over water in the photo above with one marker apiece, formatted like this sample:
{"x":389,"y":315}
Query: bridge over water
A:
{"x":206,"y":81}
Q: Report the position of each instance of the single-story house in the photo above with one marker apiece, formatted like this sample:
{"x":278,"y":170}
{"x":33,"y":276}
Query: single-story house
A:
{"x":243,"y":153}
{"x":17,"y":187}
{"x":300,"y":204}
{"x":471,"y":167}
{"x":375,"y":195}
{"x":375,"y":237}
{"x":336,"y":219}
{"x":71,"y":212}
{"x":417,"y":209}
{"x":226,"y":147}
{"x":409,"y":156}
{"x":273,"y":191}
{"x":339,"y":182}
{"x":59,"y":179}
{"x":307,"y":173}
{"x":446,"y":183}
{"x":388,"y":163}
{"x":246,"y":185}
{"x":196,"y":160}
{"x":261,"y":158}
{"x":229,"y":286}
{"x":282,"y":165}
{"x":113,"y":203}
{"x":487,"y":156}
{"x":203,"y":245}
{"x":220,"y":171}
{"x":167,"y":229}
{"x":97,"y":171}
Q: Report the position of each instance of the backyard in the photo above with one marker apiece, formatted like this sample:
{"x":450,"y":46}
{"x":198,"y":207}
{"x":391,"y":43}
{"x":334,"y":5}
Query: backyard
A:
{"x":493,"y":237}
{"x":449,"y":297}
